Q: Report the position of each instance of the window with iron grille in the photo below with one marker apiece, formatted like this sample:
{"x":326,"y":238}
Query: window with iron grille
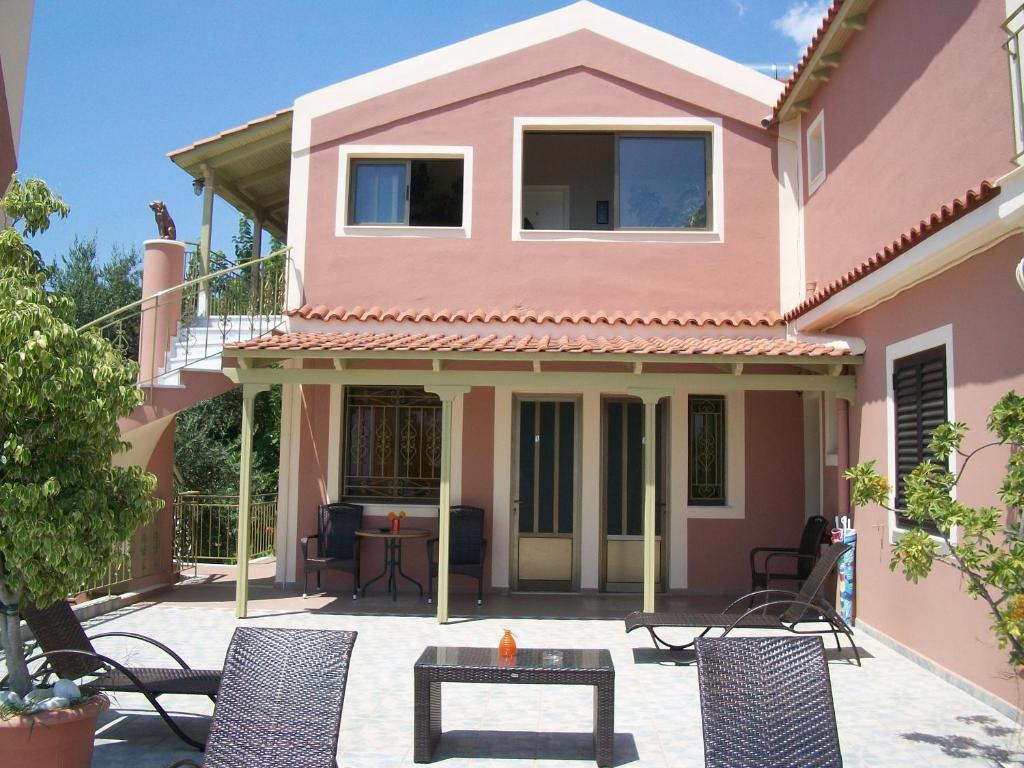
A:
{"x":392,"y":444}
{"x":919,"y":400}
{"x":706,"y":481}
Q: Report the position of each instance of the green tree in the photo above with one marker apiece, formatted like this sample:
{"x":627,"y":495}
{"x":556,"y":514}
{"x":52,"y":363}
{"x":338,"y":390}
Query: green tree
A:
{"x":65,"y":510}
{"x":989,"y":548}
{"x":100,"y":288}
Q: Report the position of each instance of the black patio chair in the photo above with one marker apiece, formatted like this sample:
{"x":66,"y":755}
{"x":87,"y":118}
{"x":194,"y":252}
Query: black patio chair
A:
{"x":337,"y":546}
{"x":69,"y":653}
{"x":766,"y":702}
{"x":466,"y":549}
{"x":280,"y":701}
{"x":808,"y":606}
{"x":769,"y":564}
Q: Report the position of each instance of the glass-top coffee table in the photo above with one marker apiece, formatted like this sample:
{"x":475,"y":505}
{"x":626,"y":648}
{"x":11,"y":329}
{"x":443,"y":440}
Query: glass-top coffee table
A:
{"x":538,"y":666}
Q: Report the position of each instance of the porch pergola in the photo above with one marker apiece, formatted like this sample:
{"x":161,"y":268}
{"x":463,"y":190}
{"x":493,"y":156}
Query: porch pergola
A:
{"x":450,"y":364}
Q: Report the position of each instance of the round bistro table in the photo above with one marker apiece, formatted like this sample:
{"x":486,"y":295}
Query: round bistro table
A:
{"x":393,"y":555}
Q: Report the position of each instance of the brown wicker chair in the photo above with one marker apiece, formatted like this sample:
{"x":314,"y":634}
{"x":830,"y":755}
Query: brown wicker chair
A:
{"x":766,"y":702}
{"x":280,"y":701}
{"x":797,"y":609}
{"x":466,"y":549}
{"x":770,"y":564}
{"x":69,"y":653}
{"x":337,"y":546}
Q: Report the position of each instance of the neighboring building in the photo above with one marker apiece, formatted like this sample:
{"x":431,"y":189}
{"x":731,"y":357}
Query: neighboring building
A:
{"x":566,"y":245}
{"x":15,"y":26}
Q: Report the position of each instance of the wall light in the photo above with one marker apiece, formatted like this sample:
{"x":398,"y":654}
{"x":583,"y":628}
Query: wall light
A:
{"x":197,"y":186}
{"x":1020,"y":274}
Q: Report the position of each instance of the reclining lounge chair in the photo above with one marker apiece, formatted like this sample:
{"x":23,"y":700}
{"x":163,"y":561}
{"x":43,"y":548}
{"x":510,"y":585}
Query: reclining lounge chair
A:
{"x":804,"y":607}
{"x":69,"y":653}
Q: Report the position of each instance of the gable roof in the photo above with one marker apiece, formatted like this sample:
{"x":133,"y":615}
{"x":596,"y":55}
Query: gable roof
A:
{"x":579,"y":16}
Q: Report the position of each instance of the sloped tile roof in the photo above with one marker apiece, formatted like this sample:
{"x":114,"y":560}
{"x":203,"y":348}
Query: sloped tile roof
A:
{"x":941,"y":218}
{"x":452,"y":342}
{"x":582,"y":317}
{"x":798,"y":72}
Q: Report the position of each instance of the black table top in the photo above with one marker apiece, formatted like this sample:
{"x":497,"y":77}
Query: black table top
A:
{"x":525,"y":658}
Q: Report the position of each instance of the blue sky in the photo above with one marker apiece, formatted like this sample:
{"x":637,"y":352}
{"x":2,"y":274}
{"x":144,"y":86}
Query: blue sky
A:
{"x":114,"y":86}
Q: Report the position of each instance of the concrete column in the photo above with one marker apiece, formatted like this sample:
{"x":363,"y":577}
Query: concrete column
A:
{"x":249,"y":392}
{"x":163,"y":266}
{"x":205,"y":237}
{"x":650,"y":399}
{"x":448,"y":395}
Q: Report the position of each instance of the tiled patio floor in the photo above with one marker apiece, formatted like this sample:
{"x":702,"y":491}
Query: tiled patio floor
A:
{"x":890,"y":713}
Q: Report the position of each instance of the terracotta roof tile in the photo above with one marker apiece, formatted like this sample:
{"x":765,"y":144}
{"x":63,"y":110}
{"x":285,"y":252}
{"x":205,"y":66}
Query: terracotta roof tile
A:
{"x":443,"y":342}
{"x":941,"y":218}
{"x":798,"y":71}
{"x":582,"y":317}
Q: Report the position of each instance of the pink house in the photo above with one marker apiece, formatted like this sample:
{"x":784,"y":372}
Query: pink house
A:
{"x":639,"y":303}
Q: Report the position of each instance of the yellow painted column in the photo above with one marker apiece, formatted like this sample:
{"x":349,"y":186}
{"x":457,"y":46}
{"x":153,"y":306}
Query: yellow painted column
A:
{"x":448,"y":394}
{"x":249,"y":392}
{"x":205,"y":238}
{"x":650,"y":399}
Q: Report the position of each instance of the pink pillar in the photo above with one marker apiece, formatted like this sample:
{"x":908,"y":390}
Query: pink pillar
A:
{"x":163,"y":267}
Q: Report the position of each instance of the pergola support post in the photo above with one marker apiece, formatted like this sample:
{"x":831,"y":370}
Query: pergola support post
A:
{"x":448,"y":395}
{"x":205,"y":239}
{"x":249,"y":392}
{"x":650,"y":398}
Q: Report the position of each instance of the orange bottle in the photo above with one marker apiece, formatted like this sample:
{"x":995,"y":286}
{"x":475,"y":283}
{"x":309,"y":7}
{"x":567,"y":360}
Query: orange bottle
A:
{"x":507,"y":645}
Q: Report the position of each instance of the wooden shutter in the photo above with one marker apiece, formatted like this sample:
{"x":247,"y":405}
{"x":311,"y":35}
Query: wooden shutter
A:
{"x":919,"y":393}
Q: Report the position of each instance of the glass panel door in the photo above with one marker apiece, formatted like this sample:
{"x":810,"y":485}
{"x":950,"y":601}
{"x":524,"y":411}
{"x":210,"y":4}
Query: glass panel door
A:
{"x":622,"y":497}
{"x":544,"y":501}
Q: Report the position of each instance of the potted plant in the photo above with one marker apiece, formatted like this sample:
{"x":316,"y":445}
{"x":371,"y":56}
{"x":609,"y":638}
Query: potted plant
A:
{"x":65,"y":510}
{"x":989,"y":548}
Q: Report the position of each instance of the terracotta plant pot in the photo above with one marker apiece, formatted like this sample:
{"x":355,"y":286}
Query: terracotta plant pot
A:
{"x":61,"y":738}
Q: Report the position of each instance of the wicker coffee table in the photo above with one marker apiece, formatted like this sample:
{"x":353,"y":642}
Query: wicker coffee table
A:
{"x":537,"y":666}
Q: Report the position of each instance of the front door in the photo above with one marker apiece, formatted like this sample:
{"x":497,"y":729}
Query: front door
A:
{"x":622,"y":496}
{"x":544,"y":503}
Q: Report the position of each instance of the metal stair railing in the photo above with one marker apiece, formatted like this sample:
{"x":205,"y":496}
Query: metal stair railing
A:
{"x":242,"y":301}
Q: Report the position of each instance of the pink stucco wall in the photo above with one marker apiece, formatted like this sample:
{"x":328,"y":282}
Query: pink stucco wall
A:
{"x":578,"y":75}
{"x":477,"y":483}
{"x":8,"y":152}
{"x":984,"y":305}
{"x":917,"y":113}
{"x":719,"y":550}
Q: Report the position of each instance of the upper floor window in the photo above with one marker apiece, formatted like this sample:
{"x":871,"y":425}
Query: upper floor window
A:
{"x":656,"y":179}
{"x":816,"y":153}
{"x":417,"y":193}
{"x":612,"y":180}
{"x":404,"y":191}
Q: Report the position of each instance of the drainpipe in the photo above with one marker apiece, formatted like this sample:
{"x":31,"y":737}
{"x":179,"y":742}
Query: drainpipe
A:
{"x":843,"y":451}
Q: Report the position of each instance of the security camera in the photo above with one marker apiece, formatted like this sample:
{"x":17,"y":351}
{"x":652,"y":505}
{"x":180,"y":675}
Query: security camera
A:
{"x":766,"y":121}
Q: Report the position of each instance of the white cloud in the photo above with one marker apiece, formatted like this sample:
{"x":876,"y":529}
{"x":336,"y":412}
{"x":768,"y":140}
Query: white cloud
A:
{"x":801,"y":20}
{"x":741,"y":9}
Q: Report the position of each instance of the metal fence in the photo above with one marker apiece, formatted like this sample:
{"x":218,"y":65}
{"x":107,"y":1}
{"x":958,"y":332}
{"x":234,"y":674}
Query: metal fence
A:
{"x":1014,"y":27}
{"x":206,"y":528}
{"x":118,"y":574}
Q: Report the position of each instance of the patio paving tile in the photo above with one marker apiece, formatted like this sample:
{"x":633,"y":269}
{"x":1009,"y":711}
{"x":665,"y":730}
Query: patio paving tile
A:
{"x":890,"y":713}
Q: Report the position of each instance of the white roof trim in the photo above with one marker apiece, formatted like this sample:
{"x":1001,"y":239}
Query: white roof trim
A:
{"x":539,"y":29}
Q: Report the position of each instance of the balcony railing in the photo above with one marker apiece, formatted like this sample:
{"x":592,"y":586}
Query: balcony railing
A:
{"x":206,"y":528}
{"x":239,"y":302}
{"x":1014,"y":27}
{"x":118,"y":574}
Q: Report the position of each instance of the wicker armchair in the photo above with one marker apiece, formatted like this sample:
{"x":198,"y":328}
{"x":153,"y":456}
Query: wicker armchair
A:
{"x":770,"y":564}
{"x":466,"y":549}
{"x":69,"y":653}
{"x":337,"y":546}
{"x":280,"y":701}
{"x":766,"y":702}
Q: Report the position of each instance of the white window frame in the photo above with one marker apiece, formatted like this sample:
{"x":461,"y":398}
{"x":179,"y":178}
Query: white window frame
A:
{"x":396,"y":152}
{"x":937,"y":337}
{"x":817,"y":126}
{"x":710,"y":125}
